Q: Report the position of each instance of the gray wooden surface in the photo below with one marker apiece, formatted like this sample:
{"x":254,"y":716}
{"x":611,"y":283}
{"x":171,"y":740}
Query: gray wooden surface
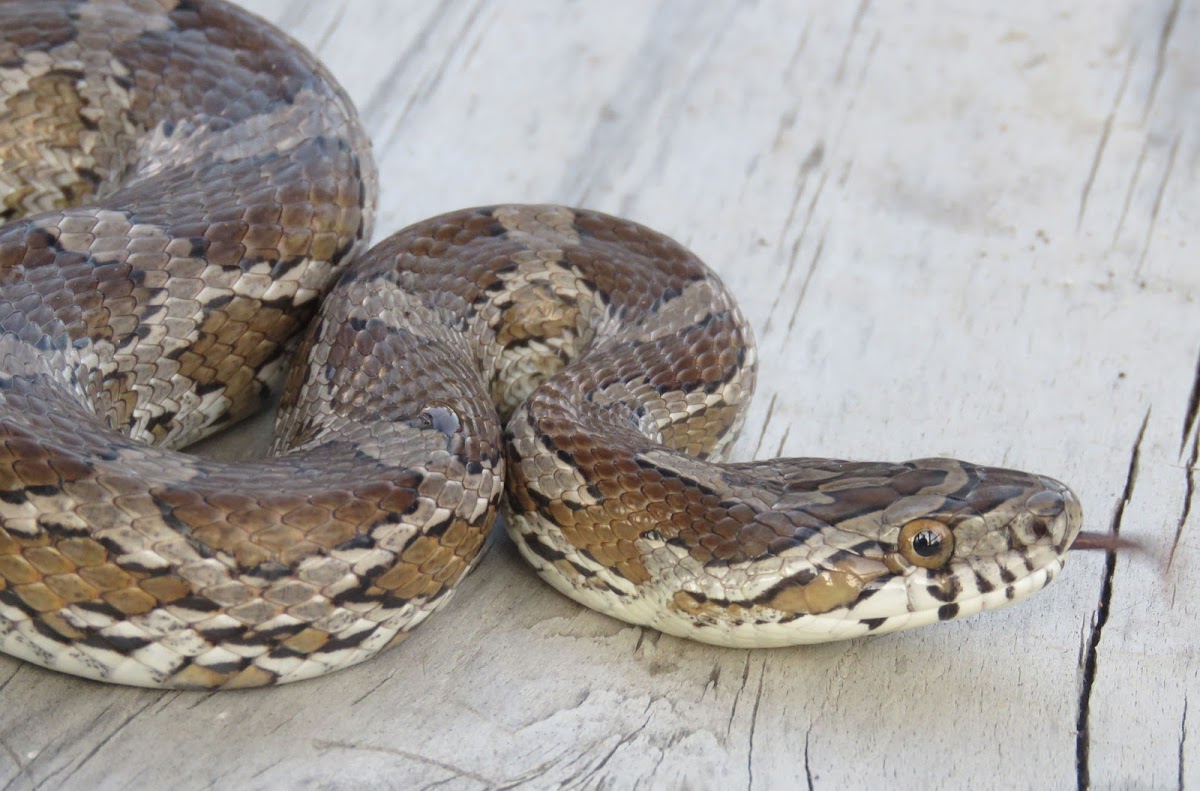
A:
{"x":957,"y":228}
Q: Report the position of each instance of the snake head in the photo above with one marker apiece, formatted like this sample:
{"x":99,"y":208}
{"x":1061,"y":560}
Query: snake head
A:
{"x":856,"y":548}
{"x":980,"y":539}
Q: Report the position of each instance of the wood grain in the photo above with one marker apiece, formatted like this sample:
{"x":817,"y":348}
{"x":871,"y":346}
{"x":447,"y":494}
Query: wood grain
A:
{"x":960,"y":231}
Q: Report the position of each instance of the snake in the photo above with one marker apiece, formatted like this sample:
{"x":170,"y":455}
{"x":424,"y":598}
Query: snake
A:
{"x":188,"y":199}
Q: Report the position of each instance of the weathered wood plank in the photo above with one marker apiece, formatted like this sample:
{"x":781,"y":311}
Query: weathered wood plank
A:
{"x":961,"y":231}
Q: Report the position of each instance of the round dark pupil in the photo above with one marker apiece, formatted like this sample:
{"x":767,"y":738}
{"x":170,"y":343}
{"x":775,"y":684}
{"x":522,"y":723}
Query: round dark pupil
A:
{"x":926,"y":543}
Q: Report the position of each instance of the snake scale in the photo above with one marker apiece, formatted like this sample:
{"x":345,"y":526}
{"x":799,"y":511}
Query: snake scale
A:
{"x":188,"y":198}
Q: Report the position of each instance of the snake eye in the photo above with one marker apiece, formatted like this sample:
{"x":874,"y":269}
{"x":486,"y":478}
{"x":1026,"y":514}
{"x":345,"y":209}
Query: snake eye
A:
{"x":926,"y":543}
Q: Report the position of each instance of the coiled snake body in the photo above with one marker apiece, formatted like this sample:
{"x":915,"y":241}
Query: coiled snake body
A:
{"x":183,"y":185}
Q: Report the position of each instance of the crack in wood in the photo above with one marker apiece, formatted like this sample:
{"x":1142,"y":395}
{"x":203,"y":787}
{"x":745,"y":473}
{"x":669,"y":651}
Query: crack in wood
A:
{"x":753,"y":726}
{"x":531,"y":774}
{"x":327,"y":33}
{"x":812,"y":267}
{"x":810,"y":164}
{"x":384,"y":94}
{"x":375,"y":687}
{"x":458,"y":771}
{"x":283,"y":724}
{"x":1082,"y":743}
{"x":21,"y":765}
{"x":1158,"y":199}
{"x":646,"y":637}
{"x":1189,"y":492}
{"x":1131,"y":189}
{"x":662,"y":754}
{"x":110,"y":736}
{"x":217,"y":780}
{"x":794,"y":252}
{"x":738,"y":696}
{"x":801,"y":43}
{"x":855,"y":29}
{"x":627,"y":111}
{"x":1160,"y":56}
{"x":582,"y":776}
{"x":665,"y":138}
{"x":1189,"y":429}
{"x":1193,"y":405}
{"x":267,"y":768}
{"x":714,"y":680}
{"x":808,"y":775}
{"x":1105,"y":133}
{"x":199,"y":699}
{"x":15,"y":670}
{"x":90,"y":727}
{"x":782,"y":441}
{"x":1182,"y":742}
{"x":766,"y":422}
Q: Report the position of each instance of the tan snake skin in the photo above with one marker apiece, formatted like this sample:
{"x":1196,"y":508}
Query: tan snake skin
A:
{"x":183,"y":184}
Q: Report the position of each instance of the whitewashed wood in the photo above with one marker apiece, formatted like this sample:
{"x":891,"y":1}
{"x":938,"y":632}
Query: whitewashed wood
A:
{"x":957,"y":229}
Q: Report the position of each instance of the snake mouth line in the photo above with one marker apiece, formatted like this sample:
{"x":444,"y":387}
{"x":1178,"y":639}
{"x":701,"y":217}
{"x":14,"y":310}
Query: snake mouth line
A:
{"x":844,"y":624}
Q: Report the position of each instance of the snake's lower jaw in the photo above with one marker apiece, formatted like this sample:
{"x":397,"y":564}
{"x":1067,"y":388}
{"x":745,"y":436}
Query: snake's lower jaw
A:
{"x":1014,"y":577}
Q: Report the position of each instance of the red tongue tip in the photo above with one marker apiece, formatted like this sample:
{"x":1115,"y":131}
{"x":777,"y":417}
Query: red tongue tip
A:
{"x":1106,"y":542}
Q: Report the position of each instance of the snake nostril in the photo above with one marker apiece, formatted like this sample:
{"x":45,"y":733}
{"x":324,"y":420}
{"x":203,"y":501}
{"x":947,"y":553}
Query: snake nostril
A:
{"x":1046,"y":504}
